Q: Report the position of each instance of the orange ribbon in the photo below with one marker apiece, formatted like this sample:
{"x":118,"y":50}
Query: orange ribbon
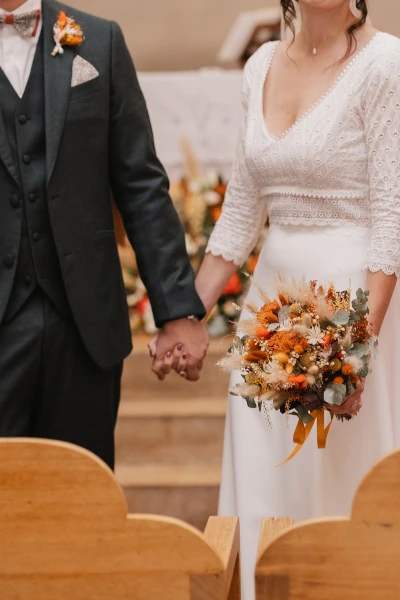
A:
{"x":302,"y":432}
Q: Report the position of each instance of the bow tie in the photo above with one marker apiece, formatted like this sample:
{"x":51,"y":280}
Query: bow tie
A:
{"x":26,"y":24}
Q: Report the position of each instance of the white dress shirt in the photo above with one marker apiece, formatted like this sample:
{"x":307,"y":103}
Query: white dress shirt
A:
{"x":17,"y":53}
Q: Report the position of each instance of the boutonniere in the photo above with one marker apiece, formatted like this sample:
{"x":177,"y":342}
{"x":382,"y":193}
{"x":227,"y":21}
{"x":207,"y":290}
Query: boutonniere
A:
{"x":66,"y":33}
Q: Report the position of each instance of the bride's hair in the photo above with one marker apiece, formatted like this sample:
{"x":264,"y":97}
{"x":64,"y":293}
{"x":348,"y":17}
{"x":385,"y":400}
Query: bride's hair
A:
{"x":289,"y":15}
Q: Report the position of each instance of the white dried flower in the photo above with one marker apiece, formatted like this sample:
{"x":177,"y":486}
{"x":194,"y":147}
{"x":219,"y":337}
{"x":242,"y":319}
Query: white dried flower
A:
{"x":230,"y":362}
{"x":347,"y":341}
{"x":354,"y":362}
{"x":248,"y":327}
{"x":245,"y":389}
{"x":315,"y":335}
{"x":276,"y":374}
{"x":301,"y":330}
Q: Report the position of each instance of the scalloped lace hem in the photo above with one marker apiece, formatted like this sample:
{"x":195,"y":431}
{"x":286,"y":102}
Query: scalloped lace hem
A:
{"x":226,"y":255}
{"x":375,"y":267}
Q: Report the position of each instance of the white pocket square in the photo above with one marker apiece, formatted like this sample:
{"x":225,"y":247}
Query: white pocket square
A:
{"x":82,"y":71}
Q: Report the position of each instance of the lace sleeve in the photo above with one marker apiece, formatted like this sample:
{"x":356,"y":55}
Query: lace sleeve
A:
{"x":244,"y":214}
{"x":382,"y":129}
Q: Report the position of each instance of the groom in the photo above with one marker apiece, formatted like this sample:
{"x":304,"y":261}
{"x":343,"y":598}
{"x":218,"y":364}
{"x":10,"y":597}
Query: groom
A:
{"x":73,"y":128}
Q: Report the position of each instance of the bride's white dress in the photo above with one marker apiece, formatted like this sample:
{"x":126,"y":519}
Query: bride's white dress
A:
{"x":331,"y":188}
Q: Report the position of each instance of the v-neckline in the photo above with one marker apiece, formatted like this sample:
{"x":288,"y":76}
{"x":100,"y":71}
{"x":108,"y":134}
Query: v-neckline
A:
{"x":318,"y":103}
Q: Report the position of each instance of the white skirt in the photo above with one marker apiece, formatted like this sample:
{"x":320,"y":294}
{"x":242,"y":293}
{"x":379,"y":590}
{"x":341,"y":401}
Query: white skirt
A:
{"x":316,"y":482}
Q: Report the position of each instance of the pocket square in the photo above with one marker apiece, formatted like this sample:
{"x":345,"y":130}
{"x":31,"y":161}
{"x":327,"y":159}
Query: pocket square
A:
{"x":82,"y":71}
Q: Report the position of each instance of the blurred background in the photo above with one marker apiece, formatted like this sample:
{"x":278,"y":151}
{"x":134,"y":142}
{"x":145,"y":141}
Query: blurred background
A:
{"x":189,"y":55}
{"x":187,"y":34}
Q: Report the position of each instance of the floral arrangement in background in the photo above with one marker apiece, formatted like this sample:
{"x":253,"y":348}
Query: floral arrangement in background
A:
{"x":198,"y":198}
{"x":302,"y":353}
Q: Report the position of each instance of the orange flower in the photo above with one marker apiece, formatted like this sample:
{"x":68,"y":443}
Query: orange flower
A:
{"x":256,"y":356}
{"x":354,"y":378}
{"x":267,"y":313}
{"x":304,"y":343}
{"x":283,"y":341}
{"x":233,"y":287}
{"x":300,"y":381}
{"x":220,"y":189}
{"x":251,"y":267}
{"x":216,"y":213}
{"x":338,"y":380}
{"x":62,"y":20}
{"x":347,"y":370}
{"x":283,"y":300}
{"x":298,"y":349}
{"x":263,"y":333}
{"x":328,"y":339}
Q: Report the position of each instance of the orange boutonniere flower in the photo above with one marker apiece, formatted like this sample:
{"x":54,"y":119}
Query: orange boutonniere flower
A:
{"x":66,"y":33}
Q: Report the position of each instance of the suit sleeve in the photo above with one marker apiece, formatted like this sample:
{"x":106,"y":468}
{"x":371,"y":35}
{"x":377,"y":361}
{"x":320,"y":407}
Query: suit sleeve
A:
{"x":141,"y":191}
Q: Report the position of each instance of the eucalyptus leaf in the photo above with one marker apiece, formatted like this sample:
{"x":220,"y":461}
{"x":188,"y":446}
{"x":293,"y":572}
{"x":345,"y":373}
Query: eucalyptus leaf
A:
{"x":303,"y":414}
{"x":354,"y":317}
{"x":350,"y":388}
{"x":284,"y":314}
{"x":359,"y":350}
{"x":341,"y":317}
{"x":329,"y":397}
{"x":273,"y":326}
{"x":364,"y":372}
{"x":361,"y":294}
{"x":251,"y":403}
{"x":238,"y":344}
{"x":335,"y":394}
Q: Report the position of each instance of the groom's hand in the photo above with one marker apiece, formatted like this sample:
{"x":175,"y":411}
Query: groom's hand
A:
{"x":187,"y":333}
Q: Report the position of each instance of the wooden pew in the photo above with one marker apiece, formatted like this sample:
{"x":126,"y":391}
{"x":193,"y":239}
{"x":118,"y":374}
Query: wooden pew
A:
{"x":65,"y":535}
{"x":356,"y":558}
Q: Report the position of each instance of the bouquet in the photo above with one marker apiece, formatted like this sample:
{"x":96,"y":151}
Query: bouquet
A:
{"x":302,"y":353}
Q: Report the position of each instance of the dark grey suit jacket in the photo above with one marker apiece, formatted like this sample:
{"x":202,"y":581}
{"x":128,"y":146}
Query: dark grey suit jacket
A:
{"x":99,"y":139}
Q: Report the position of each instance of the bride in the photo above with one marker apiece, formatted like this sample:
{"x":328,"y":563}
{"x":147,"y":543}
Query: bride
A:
{"x":319,"y":154}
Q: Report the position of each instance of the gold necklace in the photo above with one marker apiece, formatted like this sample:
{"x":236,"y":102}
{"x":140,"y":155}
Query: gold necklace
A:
{"x":325,"y":39}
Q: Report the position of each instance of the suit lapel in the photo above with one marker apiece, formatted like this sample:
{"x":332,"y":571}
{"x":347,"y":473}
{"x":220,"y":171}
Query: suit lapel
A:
{"x":5,"y":151}
{"x":57,"y":85}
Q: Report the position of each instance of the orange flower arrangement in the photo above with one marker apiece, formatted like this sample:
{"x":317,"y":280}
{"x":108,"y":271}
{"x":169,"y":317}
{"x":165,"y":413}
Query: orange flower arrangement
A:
{"x":66,"y":33}
{"x":299,"y":355}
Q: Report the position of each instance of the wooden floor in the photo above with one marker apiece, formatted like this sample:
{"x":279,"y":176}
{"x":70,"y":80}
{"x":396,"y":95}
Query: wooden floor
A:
{"x":169,"y":438}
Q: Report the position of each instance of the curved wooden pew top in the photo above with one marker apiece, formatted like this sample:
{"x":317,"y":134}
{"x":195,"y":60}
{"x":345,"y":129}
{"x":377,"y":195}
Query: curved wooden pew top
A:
{"x":338,"y":558}
{"x":65,"y":533}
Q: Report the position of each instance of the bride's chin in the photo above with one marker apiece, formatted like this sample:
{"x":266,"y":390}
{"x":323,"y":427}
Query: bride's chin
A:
{"x":325,"y":4}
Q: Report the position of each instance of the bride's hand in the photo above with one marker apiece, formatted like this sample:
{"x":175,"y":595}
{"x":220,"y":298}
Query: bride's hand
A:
{"x":352,"y":405}
{"x":176,"y":360}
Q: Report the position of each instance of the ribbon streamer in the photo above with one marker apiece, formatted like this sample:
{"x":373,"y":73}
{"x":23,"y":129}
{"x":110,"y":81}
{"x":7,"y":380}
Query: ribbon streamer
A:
{"x":302,"y":432}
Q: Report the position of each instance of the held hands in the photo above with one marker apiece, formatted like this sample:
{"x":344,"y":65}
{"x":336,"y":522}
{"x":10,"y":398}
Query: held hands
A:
{"x":181,"y":346}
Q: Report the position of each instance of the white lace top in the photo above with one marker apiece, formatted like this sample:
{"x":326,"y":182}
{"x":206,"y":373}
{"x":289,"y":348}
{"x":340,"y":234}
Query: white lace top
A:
{"x":339,"y":165}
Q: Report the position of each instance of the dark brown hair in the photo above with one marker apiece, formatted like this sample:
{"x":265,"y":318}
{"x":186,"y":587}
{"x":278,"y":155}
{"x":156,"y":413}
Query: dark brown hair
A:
{"x":289,"y":14}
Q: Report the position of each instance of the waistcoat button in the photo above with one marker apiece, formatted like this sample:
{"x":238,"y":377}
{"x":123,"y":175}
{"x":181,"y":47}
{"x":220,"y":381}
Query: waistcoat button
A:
{"x":28,"y":280}
{"x":23,"y":119}
{"x":27,"y":159}
{"x":8,"y":261}
{"x":36,"y":236}
{"x":32,"y":197}
{"x":14,"y":201}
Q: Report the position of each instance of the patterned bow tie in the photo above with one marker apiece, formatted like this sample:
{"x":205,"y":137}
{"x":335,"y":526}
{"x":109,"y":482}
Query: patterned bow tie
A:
{"x":26,"y":24}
